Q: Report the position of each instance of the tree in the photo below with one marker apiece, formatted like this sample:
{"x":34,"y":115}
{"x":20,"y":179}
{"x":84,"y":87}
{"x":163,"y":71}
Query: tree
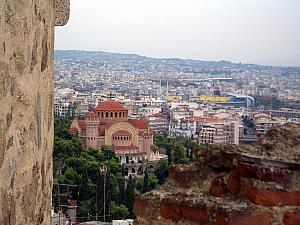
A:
{"x":108,"y":151}
{"x":130,"y":196}
{"x":169,"y":154}
{"x":162,"y":172}
{"x":179,"y":156}
{"x":70,"y":176}
{"x":153,"y":182}
{"x":122,"y":194}
{"x":118,"y":211}
{"x":146,"y":182}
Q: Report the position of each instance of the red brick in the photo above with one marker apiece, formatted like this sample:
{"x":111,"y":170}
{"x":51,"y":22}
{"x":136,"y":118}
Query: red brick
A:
{"x":233,"y":183}
{"x":280,"y":176}
{"x":170,"y":211}
{"x":176,"y":212}
{"x":241,"y":218}
{"x":269,"y":197}
{"x":197,"y":215}
{"x":139,"y":207}
{"x":292,"y":218}
{"x":218,"y":187}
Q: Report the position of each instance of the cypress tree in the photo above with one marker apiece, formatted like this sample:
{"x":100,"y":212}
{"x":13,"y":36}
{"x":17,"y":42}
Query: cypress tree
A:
{"x":146,"y":182}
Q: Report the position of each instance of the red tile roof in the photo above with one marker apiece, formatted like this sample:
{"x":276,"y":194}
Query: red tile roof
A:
{"x":91,"y":114}
{"x":110,"y":105}
{"x":139,"y":123}
{"x":203,"y":119}
{"x":73,"y":130}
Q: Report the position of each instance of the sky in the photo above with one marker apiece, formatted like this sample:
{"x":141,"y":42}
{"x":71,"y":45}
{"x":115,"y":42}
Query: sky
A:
{"x":249,"y":31}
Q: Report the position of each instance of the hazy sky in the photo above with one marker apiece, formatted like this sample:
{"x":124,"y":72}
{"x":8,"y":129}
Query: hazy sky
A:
{"x":250,"y":31}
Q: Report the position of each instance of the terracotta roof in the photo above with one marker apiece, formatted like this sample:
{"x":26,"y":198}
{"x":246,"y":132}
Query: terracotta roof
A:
{"x":122,"y":132}
{"x":203,"y":119}
{"x":139,"y":123}
{"x":72,"y":202}
{"x":91,"y":114}
{"x":110,"y":105}
{"x":73,"y":130}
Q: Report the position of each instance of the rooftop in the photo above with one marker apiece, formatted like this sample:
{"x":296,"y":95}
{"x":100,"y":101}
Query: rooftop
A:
{"x":110,"y":105}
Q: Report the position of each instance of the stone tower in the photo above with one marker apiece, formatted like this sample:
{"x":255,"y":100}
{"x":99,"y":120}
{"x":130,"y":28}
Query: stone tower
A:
{"x":26,"y":114}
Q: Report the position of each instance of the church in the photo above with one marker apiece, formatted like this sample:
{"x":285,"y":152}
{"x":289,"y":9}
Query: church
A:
{"x":109,"y":124}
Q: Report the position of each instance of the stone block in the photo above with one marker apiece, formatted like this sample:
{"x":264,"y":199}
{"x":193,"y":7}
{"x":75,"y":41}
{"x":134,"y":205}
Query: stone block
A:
{"x":291,"y":218}
{"x":62,"y":12}
{"x":268,"y":197}
{"x":220,"y":217}
{"x":269,"y":174}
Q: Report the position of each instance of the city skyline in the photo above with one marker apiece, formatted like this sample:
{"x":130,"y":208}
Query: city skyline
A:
{"x":261,"y":32}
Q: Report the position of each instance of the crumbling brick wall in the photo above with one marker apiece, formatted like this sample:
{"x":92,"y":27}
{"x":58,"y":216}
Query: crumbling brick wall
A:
{"x":232,"y":185}
{"x":26,"y":114}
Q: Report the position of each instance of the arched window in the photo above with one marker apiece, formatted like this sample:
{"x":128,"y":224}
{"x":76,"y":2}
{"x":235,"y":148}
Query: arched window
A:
{"x":111,"y":115}
{"x":132,"y":170}
{"x":102,"y":114}
{"x":120,"y":114}
{"x":106,"y":114}
{"x":123,"y":114}
{"x":126,"y":171}
{"x":116,"y":114}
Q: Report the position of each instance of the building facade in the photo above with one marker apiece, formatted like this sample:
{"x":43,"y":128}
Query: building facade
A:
{"x":108,"y":124}
{"x":158,"y":123}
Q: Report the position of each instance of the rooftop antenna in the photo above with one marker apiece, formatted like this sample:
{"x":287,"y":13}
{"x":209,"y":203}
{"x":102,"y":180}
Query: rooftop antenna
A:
{"x":110,"y":95}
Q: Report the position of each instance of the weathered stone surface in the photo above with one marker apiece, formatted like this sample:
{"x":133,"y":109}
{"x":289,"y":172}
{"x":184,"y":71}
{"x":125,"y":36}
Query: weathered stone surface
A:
{"x":62,"y":12}
{"x":26,"y":114}
{"x":184,"y":175}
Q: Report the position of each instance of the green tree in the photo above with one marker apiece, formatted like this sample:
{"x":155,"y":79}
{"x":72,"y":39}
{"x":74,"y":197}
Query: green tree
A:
{"x":122,"y":192}
{"x":70,"y":176}
{"x":130,"y":196}
{"x":153,"y":182}
{"x":179,"y":156}
{"x":162,"y":172}
{"x":118,"y":211}
{"x":146,"y":182}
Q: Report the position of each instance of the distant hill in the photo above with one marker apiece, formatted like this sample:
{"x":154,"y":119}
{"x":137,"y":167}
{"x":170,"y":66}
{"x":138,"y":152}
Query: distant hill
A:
{"x":185,"y":65}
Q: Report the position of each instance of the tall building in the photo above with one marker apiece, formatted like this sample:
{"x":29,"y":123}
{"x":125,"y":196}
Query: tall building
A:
{"x":108,"y":124}
{"x":158,"y":123}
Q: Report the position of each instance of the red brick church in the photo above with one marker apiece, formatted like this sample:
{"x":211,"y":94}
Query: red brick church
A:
{"x":108,"y":124}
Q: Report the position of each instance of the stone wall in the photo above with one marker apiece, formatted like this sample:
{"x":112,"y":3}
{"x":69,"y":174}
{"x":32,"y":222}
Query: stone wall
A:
{"x":26,"y":114}
{"x":232,"y":185}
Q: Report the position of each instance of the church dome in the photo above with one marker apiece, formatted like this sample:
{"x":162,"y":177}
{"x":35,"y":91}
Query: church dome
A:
{"x":110,"y":105}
